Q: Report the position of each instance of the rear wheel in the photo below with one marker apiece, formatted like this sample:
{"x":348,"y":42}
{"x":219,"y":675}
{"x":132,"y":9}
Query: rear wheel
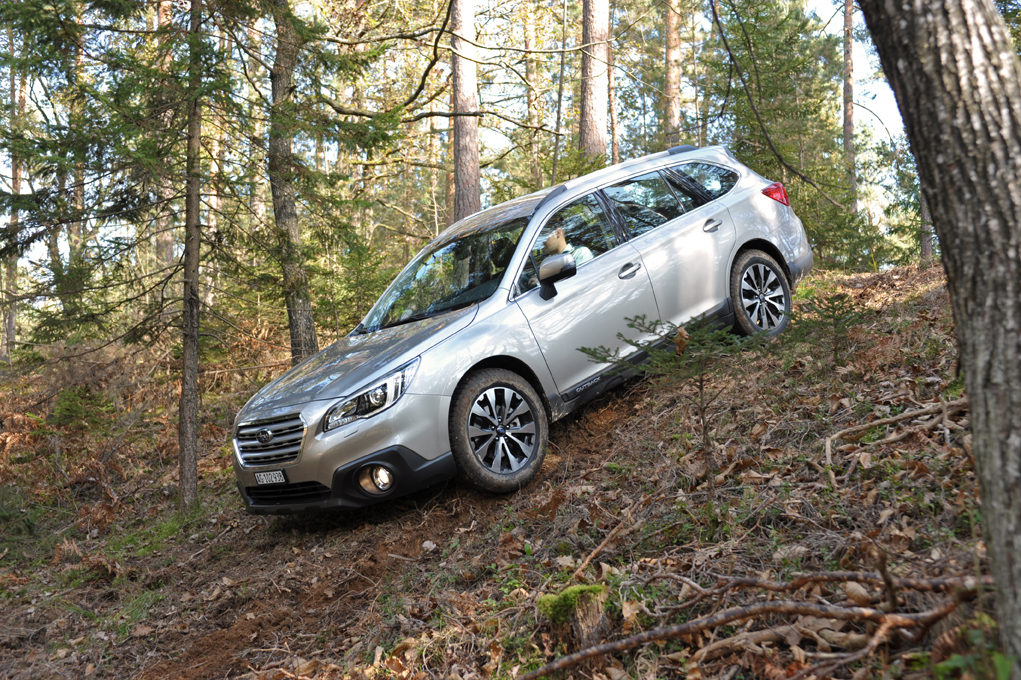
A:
{"x":498,"y":431}
{"x":761,"y":294}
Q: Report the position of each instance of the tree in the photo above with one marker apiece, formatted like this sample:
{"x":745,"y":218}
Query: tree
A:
{"x":282,"y":168}
{"x":852,"y":177}
{"x":594,"y":58}
{"x":187,"y":429}
{"x":957,"y":80}
{"x":467,"y":184}
{"x":9,"y":264}
{"x":672,"y":87}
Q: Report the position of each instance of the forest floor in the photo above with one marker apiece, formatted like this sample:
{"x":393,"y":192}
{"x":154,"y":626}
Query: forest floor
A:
{"x":101,"y":578}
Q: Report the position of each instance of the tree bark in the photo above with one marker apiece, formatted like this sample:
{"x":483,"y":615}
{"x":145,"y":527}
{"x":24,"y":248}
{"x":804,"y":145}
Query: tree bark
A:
{"x":187,"y":432}
{"x":926,"y":235}
{"x":467,"y":185}
{"x":852,"y":176}
{"x":596,"y":35}
{"x":957,"y":80}
{"x":281,"y":168}
{"x":672,"y":86}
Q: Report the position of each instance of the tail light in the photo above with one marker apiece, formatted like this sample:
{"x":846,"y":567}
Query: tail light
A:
{"x":777,"y":193}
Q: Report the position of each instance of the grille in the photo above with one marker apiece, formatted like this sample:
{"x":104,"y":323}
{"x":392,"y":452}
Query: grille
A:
{"x":284,"y":447}
{"x":288,"y":493}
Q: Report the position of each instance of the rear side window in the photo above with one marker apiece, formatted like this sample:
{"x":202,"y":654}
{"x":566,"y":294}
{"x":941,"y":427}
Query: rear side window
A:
{"x":713,"y":179}
{"x":644,"y":202}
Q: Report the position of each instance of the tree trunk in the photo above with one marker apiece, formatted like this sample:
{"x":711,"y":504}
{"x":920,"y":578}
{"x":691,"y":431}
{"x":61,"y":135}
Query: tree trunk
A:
{"x":281,"y":167}
{"x":187,"y":432}
{"x":926,"y":235}
{"x":611,"y":85}
{"x":532,"y":76}
{"x":672,"y":86}
{"x":8,"y":334}
{"x":163,"y":224}
{"x":957,"y":79}
{"x":596,"y":35}
{"x":560,"y":93}
{"x":467,"y":186}
{"x":852,"y":176}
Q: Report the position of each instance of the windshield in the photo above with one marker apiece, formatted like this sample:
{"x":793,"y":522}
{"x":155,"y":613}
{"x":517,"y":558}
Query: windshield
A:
{"x":448,"y":275}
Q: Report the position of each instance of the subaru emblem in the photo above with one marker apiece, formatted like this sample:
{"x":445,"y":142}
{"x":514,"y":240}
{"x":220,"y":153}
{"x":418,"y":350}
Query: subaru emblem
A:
{"x":264,"y":436}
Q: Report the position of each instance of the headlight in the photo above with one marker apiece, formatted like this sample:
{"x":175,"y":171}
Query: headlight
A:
{"x":379,"y":397}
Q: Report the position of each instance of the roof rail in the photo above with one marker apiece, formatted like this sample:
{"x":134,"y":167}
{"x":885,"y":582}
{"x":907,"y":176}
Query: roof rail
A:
{"x":681,"y":149}
{"x":557,"y":190}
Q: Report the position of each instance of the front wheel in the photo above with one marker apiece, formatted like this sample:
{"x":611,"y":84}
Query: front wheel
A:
{"x":761,"y":294}
{"x":498,"y":431}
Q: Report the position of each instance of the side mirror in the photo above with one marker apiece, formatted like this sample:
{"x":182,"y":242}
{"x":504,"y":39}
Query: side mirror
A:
{"x":555,"y":268}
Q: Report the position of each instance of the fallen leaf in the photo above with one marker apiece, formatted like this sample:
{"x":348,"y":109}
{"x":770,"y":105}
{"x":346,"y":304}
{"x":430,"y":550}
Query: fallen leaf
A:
{"x":307,"y":668}
{"x":142,"y":631}
{"x":428,"y":546}
{"x":857,"y":594}
{"x":789,"y":553}
{"x":566,"y":561}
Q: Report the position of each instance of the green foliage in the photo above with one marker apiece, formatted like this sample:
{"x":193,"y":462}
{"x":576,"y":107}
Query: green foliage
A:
{"x":80,"y":407}
{"x":984,"y":661}
{"x":830,"y":317}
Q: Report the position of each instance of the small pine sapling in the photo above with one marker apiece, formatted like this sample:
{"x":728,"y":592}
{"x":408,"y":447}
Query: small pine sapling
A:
{"x":833,"y":316}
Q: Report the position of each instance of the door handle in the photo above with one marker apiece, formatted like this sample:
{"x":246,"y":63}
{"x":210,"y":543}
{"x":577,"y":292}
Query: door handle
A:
{"x":712,"y":225}
{"x":629,"y":270}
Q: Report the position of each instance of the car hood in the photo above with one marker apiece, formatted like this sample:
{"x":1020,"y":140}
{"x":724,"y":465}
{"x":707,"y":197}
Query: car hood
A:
{"x":354,"y":360}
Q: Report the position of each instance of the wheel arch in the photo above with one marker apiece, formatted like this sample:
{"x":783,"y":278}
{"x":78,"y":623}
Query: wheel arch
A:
{"x":514,"y":365}
{"x":768,"y":248}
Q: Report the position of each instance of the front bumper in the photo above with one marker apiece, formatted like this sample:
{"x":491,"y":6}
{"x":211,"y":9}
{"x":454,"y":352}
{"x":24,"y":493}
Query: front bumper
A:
{"x":410,"y":439}
{"x":410,"y":472}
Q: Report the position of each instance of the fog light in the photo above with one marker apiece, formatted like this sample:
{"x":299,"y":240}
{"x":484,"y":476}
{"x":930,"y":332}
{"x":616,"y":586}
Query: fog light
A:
{"x":375,"y":479}
{"x":382,"y":478}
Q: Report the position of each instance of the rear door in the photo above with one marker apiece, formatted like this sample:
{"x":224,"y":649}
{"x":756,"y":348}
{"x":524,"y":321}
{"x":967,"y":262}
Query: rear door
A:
{"x":590,"y":307}
{"x":684,"y":237}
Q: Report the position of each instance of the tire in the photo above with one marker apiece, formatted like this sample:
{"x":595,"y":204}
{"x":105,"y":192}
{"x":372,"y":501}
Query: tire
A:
{"x":495,"y":453}
{"x":761,"y":294}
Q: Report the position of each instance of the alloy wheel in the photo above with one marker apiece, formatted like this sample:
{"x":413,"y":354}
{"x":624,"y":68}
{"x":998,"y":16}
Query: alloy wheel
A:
{"x":502,"y":430}
{"x":763,"y":297}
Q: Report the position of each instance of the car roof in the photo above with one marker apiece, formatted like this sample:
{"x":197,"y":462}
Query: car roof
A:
{"x":525,"y":206}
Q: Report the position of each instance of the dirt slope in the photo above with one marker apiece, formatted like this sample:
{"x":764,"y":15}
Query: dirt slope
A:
{"x":103,"y":580}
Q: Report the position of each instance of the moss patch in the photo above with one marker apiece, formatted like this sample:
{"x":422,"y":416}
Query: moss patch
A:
{"x":558,"y":608}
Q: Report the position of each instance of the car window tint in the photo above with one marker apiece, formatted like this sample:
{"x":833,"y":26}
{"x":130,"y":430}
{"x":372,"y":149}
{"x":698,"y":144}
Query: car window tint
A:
{"x":581,"y":228}
{"x":714,"y":179}
{"x":644,"y":202}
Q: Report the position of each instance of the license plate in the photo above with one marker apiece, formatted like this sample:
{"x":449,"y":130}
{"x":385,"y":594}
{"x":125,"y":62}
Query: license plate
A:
{"x":274,"y":477}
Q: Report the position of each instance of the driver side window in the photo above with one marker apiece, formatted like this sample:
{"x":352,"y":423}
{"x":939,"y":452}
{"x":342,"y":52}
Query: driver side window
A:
{"x":580,"y":228}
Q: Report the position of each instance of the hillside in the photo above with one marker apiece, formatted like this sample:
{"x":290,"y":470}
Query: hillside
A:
{"x":100,"y":578}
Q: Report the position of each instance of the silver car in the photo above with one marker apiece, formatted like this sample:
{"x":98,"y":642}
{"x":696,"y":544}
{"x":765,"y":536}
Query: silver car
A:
{"x":471,"y":353}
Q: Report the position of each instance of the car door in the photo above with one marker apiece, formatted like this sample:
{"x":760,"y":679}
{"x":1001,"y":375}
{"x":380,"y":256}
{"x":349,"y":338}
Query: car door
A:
{"x":684,"y":237}
{"x":590,"y":307}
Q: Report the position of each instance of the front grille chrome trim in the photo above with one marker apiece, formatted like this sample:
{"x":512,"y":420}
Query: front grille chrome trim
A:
{"x":284,"y":448}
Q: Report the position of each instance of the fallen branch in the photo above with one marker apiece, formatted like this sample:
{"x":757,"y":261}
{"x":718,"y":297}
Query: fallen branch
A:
{"x":942,"y":407}
{"x":736,"y":614}
{"x":888,"y":622}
